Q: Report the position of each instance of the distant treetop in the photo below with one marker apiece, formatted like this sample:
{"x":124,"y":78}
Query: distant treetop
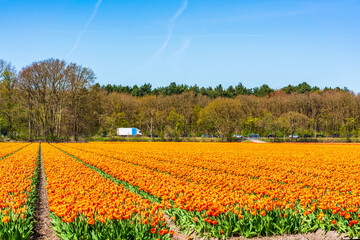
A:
{"x":218,"y":91}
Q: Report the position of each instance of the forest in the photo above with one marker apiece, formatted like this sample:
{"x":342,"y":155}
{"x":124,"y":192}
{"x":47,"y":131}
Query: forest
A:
{"x":55,"y":100}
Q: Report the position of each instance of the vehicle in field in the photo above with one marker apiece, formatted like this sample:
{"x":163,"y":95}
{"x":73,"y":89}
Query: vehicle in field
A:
{"x":128,"y":132}
{"x":319,"y":135}
{"x":307,"y":136}
{"x":294,"y":136}
{"x":207,"y":135}
{"x":237,"y":136}
{"x":254,"y":136}
{"x":336,"y":135}
{"x":154,"y":135}
{"x":270,"y":136}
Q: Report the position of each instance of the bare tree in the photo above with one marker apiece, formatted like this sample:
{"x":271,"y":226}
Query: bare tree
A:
{"x":79,"y":79}
{"x":44,"y":83}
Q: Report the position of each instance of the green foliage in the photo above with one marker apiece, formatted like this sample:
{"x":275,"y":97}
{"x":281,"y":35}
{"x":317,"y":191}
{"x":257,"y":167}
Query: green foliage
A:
{"x":302,"y":88}
{"x":218,"y":91}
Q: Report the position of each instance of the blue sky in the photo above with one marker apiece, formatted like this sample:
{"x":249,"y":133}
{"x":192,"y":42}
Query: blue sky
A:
{"x":203,"y":42}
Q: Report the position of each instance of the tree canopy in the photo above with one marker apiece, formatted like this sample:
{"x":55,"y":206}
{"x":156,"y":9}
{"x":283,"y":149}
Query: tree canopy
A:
{"x":53,"y":100}
{"x":219,"y":91}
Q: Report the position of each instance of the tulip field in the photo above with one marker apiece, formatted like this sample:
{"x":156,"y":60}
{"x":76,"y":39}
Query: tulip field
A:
{"x":18,"y":172}
{"x":151,"y":190}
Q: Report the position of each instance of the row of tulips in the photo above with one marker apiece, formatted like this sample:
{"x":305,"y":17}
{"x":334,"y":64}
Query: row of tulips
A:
{"x":87,"y":205}
{"x":19,"y":177}
{"x":248,"y":189}
{"x":9,"y":148}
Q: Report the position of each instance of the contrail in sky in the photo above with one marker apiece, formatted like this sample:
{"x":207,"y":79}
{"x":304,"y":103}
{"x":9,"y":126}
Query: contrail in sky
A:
{"x":172,"y":20}
{"x":181,"y":50}
{"x":85,"y":27}
{"x":163,"y":46}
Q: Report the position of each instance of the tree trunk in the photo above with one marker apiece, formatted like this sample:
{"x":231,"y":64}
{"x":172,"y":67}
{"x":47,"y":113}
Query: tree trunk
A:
{"x":151,"y":128}
{"x":75,"y":131}
{"x":29,"y":124}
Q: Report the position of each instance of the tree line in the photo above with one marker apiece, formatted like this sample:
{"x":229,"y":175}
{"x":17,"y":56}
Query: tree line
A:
{"x":218,"y":91}
{"x":56,"y":100}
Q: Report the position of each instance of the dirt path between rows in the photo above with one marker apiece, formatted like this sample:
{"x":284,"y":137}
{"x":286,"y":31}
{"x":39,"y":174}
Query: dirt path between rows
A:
{"x":42,"y":226}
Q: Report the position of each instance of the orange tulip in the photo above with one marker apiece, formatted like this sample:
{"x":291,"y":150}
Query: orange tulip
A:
{"x":5,"y":219}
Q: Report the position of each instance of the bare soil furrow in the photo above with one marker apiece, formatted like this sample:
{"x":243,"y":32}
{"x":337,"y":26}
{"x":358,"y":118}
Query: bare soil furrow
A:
{"x":42,"y":226}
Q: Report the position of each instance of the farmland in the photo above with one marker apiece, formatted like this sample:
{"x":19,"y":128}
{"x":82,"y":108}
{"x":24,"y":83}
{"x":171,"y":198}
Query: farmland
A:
{"x":148,"y":190}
